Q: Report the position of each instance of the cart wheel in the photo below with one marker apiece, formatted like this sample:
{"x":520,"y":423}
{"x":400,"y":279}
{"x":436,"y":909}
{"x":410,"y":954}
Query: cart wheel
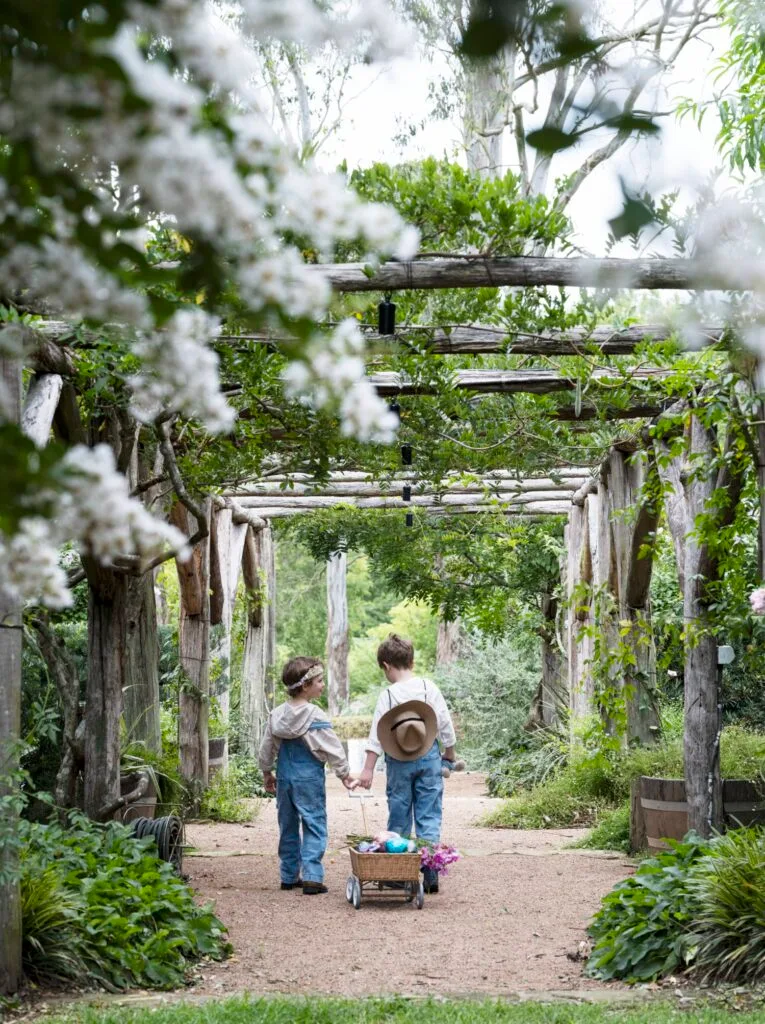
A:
{"x":420,"y":898}
{"x":356,"y":895}
{"x":409,"y":891}
{"x":349,"y":889}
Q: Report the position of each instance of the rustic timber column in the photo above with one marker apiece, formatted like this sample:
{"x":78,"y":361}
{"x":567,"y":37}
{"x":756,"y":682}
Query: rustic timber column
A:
{"x":553,"y":696}
{"x":581,"y":546}
{"x":338,"y":639}
{"x":10,"y":725}
{"x":140,"y":702}
{"x":226,"y":548}
{"x":258,"y":668}
{"x":631,"y":524}
{"x":194,"y":643}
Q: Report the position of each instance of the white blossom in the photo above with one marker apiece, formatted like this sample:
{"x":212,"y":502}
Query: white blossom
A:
{"x":29,"y":565}
{"x":333,"y":374}
{"x":98,"y":511}
{"x":180,"y":373}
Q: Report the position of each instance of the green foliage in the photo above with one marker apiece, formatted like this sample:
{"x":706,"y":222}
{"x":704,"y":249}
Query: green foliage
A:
{"x":612,"y":832}
{"x":229,"y":795}
{"x":595,"y":782}
{"x":489,"y":691}
{"x":726,"y":888}
{"x":642,"y":930}
{"x":404,"y":1010}
{"x":699,"y":906}
{"x":123,"y":916}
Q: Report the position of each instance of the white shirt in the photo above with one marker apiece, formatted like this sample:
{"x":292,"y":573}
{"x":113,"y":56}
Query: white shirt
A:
{"x":414,"y":688}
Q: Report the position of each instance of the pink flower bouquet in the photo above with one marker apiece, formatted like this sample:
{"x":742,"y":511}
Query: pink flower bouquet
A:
{"x":438,"y":857}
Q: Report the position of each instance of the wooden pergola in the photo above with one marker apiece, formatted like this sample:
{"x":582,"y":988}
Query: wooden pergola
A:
{"x":602,"y":549}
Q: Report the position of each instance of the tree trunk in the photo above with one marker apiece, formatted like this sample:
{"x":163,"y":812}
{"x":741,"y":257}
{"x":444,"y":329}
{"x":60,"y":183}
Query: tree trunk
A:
{"x":107,"y":630}
{"x":338,"y":638}
{"x":141,"y":696}
{"x":552,"y":695}
{"x":62,"y":669}
{"x":259,"y":650}
{"x":483,"y":115}
{"x":448,"y":642}
{"x":40,"y":406}
{"x":194,"y":644}
{"x":226,"y":549}
{"x":10,"y":725}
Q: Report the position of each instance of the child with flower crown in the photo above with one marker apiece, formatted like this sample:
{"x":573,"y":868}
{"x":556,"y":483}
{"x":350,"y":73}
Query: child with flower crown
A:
{"x":299,"y":737}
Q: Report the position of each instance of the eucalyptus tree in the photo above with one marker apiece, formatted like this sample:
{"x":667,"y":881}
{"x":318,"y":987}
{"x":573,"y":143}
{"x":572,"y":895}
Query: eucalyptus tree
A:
{"x":546,"y":76}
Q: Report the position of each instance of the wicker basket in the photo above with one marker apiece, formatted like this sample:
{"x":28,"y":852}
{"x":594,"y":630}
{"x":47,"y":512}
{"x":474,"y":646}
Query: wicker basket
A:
{"x":385,"y":867}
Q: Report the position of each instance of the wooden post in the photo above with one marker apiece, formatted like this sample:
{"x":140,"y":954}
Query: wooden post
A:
{"x":552,"y":693}
{"x":226,"y":547}
{"x":140,"y":702}
{"x":258,"y":567}
{"x":107,"y":631}
{"x":338,"y":638}
{"x":10,"y":724}
{"x":194,"y":642}
{"x":687,"y":497}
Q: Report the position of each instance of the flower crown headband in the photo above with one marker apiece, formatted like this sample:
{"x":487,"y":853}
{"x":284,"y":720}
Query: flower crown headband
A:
{"x":314,"y":670}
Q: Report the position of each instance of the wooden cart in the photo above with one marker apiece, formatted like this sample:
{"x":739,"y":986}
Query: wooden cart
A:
{"x":371,"y":872}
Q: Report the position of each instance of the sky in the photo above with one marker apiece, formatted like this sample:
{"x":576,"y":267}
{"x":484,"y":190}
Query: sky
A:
{"x":681,"y":158}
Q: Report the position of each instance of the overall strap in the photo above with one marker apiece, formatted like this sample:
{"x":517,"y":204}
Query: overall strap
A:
{"x":390,"y":700}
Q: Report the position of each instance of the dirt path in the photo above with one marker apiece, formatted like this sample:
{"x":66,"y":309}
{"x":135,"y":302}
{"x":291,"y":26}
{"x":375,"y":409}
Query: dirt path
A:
{"x":504,"y":921}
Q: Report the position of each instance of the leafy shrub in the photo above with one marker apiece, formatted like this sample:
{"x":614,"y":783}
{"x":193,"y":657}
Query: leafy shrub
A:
{"x":612,"y":832}
{"x":554,"y":804}
{"x":729,"y":925}
{"x":489,"y":691}
{"x":248,"y":774}
{"x":592,"y":784}
{"x":122,"y":915}
{"x":642,"y":930}
{"x":352,"y":727}
{"x":542,"y":755}
{"x":227,"y":798}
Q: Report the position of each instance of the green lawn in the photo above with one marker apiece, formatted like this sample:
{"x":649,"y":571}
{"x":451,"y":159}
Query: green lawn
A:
{"x":405,"y":1011}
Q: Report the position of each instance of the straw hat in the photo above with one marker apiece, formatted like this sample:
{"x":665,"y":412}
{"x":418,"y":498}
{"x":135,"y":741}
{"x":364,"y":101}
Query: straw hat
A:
{"x":408,"y":731}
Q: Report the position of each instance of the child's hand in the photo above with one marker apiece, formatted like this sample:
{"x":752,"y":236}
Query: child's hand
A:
{"x":269,"y":782}
{"x":349,"y":782}
{"x":366,"y":777}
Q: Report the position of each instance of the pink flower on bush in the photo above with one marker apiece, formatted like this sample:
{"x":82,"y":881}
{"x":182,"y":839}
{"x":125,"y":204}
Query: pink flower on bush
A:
{"x":757,"y":601}
{"x":438,"y":857}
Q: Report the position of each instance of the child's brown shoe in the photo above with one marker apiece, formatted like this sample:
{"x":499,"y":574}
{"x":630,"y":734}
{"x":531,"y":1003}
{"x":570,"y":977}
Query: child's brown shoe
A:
{"x":313,"y":888}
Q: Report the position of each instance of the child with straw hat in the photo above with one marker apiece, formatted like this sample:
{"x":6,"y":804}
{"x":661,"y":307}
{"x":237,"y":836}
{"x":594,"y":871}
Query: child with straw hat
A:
{"x":410,"y":718}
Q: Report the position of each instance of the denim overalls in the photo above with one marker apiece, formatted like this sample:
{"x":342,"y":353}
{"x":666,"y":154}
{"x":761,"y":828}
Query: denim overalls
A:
{"x":301,"y":800}
{"x":415,"y":791}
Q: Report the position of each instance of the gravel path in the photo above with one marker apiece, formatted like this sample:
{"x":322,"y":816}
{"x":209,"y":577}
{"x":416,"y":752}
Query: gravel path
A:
{"x":505,"y":920}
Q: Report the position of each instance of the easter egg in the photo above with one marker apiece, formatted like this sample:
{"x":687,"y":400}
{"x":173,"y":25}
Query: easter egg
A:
{"x":396,"y":845}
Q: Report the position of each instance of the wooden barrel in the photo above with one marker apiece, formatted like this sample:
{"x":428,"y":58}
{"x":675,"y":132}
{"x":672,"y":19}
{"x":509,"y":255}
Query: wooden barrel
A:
{"x":146,"y":806}
{"x":217,"y":754}
{"x":665,"y":810}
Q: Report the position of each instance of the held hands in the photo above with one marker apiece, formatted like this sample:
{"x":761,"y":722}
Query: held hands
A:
{"x":350,"y":783}
{"x":366,"y":777}
{"x":269,"y":782}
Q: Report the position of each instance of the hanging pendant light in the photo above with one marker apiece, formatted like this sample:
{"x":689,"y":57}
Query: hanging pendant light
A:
{"x":386,"y":316}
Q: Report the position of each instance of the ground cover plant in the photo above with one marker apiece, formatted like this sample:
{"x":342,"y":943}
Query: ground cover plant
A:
{"x":591,"y":785}
{"x":697,"y":906}
{"x":100,"y":908}
{"x":407,"y":1011}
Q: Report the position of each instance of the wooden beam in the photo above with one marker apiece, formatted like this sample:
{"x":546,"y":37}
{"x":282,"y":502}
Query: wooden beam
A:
{"x":527,"y":271}
{"x":535,"y":506}
{"x":396,"y":501}
{"x":535,"y":382}
{"x":276,"y":495}
{"x":477,"y":339}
